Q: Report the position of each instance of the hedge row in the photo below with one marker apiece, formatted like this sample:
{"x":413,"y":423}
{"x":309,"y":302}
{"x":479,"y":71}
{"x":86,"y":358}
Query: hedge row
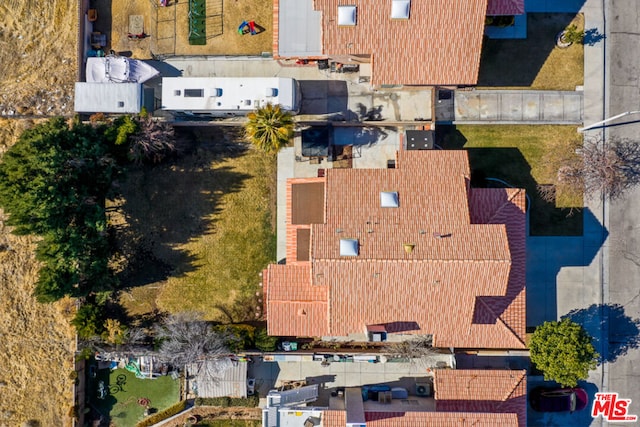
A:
{"x":163,"y":415}
{"x":249,"y":402}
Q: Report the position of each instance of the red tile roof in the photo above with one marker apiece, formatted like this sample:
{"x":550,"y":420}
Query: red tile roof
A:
{"x":291,"y":296}
{"x":473,"y":275}
{"x":505,"y":7}
{"x":502,"y":391}
{"x":439,"y":44}
{"x":495,"y":398}
{"x":423,"y":419}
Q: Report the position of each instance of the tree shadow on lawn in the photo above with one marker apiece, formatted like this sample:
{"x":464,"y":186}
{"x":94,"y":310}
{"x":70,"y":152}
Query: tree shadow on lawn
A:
{"x":167,"y":205}
{"x":517,"y":62}
{"x":623,"y":331}
{"x":509,"y":165}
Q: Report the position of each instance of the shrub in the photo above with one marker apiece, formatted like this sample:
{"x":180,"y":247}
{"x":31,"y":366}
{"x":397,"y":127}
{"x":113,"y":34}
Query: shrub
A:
{"x":163,"y":415}
{"x":213,"y":401}
{"x":88,"y":321}
{"x":123,"y":127}
{"x":264,"y":342}
{"x":249,"y":402}
{"x":239,"y":337}
{"x":573,"y":35}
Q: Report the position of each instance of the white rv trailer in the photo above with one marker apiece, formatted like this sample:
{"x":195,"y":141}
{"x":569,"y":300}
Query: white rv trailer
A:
{"x":228,"y":96}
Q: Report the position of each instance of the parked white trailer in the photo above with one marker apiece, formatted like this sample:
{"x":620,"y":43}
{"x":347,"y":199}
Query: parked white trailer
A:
{"x":228,"y":96}
{"x":123,"y":98}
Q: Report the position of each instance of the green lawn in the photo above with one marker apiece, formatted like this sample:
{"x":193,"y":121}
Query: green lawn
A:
{"x":205,"y":227}
{"x":121,"y":403}
{"x":534,"y":62}
{"x":520,"y":156}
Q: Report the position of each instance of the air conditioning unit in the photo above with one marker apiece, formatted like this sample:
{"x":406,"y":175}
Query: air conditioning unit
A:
{"x":423,"y":389}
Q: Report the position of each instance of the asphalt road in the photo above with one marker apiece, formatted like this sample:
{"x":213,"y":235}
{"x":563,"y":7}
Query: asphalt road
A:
{"x":623,"y":58}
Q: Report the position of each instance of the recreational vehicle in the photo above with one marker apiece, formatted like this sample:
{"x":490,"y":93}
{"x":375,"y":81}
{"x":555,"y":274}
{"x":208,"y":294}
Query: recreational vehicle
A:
{"x":228,"y":96}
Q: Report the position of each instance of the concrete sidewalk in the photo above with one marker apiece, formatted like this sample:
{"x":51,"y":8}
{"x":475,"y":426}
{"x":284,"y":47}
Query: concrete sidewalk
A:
{"x":568,"y":275}
{"x":518,"y":107}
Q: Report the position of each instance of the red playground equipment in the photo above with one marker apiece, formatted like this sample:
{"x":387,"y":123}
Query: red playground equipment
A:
{"x":247,"y":27}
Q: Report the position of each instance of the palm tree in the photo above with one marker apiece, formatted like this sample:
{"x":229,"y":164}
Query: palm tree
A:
{"x":269,"y":128}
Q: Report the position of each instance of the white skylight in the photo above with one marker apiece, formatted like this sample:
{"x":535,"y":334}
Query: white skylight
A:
{"x":348,"y":247}
{"x":389,"y":199}
{"x":347,"y":15}
{"x":400,"y":9}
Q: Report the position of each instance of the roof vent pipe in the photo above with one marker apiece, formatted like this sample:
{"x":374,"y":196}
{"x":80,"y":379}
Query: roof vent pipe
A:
{"x":408,"y":247}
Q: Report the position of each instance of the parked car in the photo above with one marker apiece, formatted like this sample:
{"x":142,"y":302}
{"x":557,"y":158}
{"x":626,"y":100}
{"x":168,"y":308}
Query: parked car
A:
{"x":545,"y":399}
{"x":251,"y":386}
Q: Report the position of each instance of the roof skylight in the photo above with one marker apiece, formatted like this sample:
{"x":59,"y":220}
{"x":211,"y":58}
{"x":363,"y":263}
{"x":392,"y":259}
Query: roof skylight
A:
{"x":400,"y":9}
{"x":348,"y":247}
{"x":389,"y":199}
{"x":347,"y":15}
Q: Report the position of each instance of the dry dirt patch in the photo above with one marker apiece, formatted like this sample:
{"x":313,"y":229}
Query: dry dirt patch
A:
{"x":37,"y":345}
{"x":168,"y":29}
{"x":37,"y":72}
{"x":37,"y":56}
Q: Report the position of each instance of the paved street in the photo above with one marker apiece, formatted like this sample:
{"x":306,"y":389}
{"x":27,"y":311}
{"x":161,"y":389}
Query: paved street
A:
{"x":623,"y":59}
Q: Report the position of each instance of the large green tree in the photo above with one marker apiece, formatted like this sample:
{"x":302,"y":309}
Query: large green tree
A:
{"x":563,"y":352}
{"x":269,"y":128}
{"x":53,"y":183}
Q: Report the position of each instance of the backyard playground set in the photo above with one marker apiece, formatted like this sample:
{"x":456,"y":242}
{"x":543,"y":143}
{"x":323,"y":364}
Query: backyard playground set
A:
{"x":126,"y":389}
{"x":209,"y":27}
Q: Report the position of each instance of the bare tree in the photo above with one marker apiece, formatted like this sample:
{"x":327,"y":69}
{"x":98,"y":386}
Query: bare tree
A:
{"x":186,"y":339}
{"x":418,"y":349}
{"x":598,"y":167}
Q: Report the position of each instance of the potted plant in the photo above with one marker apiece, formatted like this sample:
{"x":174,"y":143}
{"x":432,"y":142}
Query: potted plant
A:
{"x":569,"y":36}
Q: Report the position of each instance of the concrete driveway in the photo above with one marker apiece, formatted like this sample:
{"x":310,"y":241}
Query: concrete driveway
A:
{"x":518,"y":107}
{"x":325,"y":95}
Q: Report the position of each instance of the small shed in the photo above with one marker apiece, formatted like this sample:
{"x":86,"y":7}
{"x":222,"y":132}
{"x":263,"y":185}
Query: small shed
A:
{"x":126,"y":98}
{"x":218,"y":378}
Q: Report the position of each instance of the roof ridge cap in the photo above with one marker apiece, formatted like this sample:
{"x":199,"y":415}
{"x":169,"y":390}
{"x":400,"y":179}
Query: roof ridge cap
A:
{"x":502,"y":206}
{"x":502,"y":322}
{"x":513,"y":389}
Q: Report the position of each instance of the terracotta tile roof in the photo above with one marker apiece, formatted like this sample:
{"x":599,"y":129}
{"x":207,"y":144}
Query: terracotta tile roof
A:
{"x":505,"y":7}
{"x":502,"y":391}
{"x":291,"y":297}
{"x":493,"y":398}
{"x":472,"y":274}
{"x":439,"y":44}
{"x":424,"y":419}
{"x":506,"y":206}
